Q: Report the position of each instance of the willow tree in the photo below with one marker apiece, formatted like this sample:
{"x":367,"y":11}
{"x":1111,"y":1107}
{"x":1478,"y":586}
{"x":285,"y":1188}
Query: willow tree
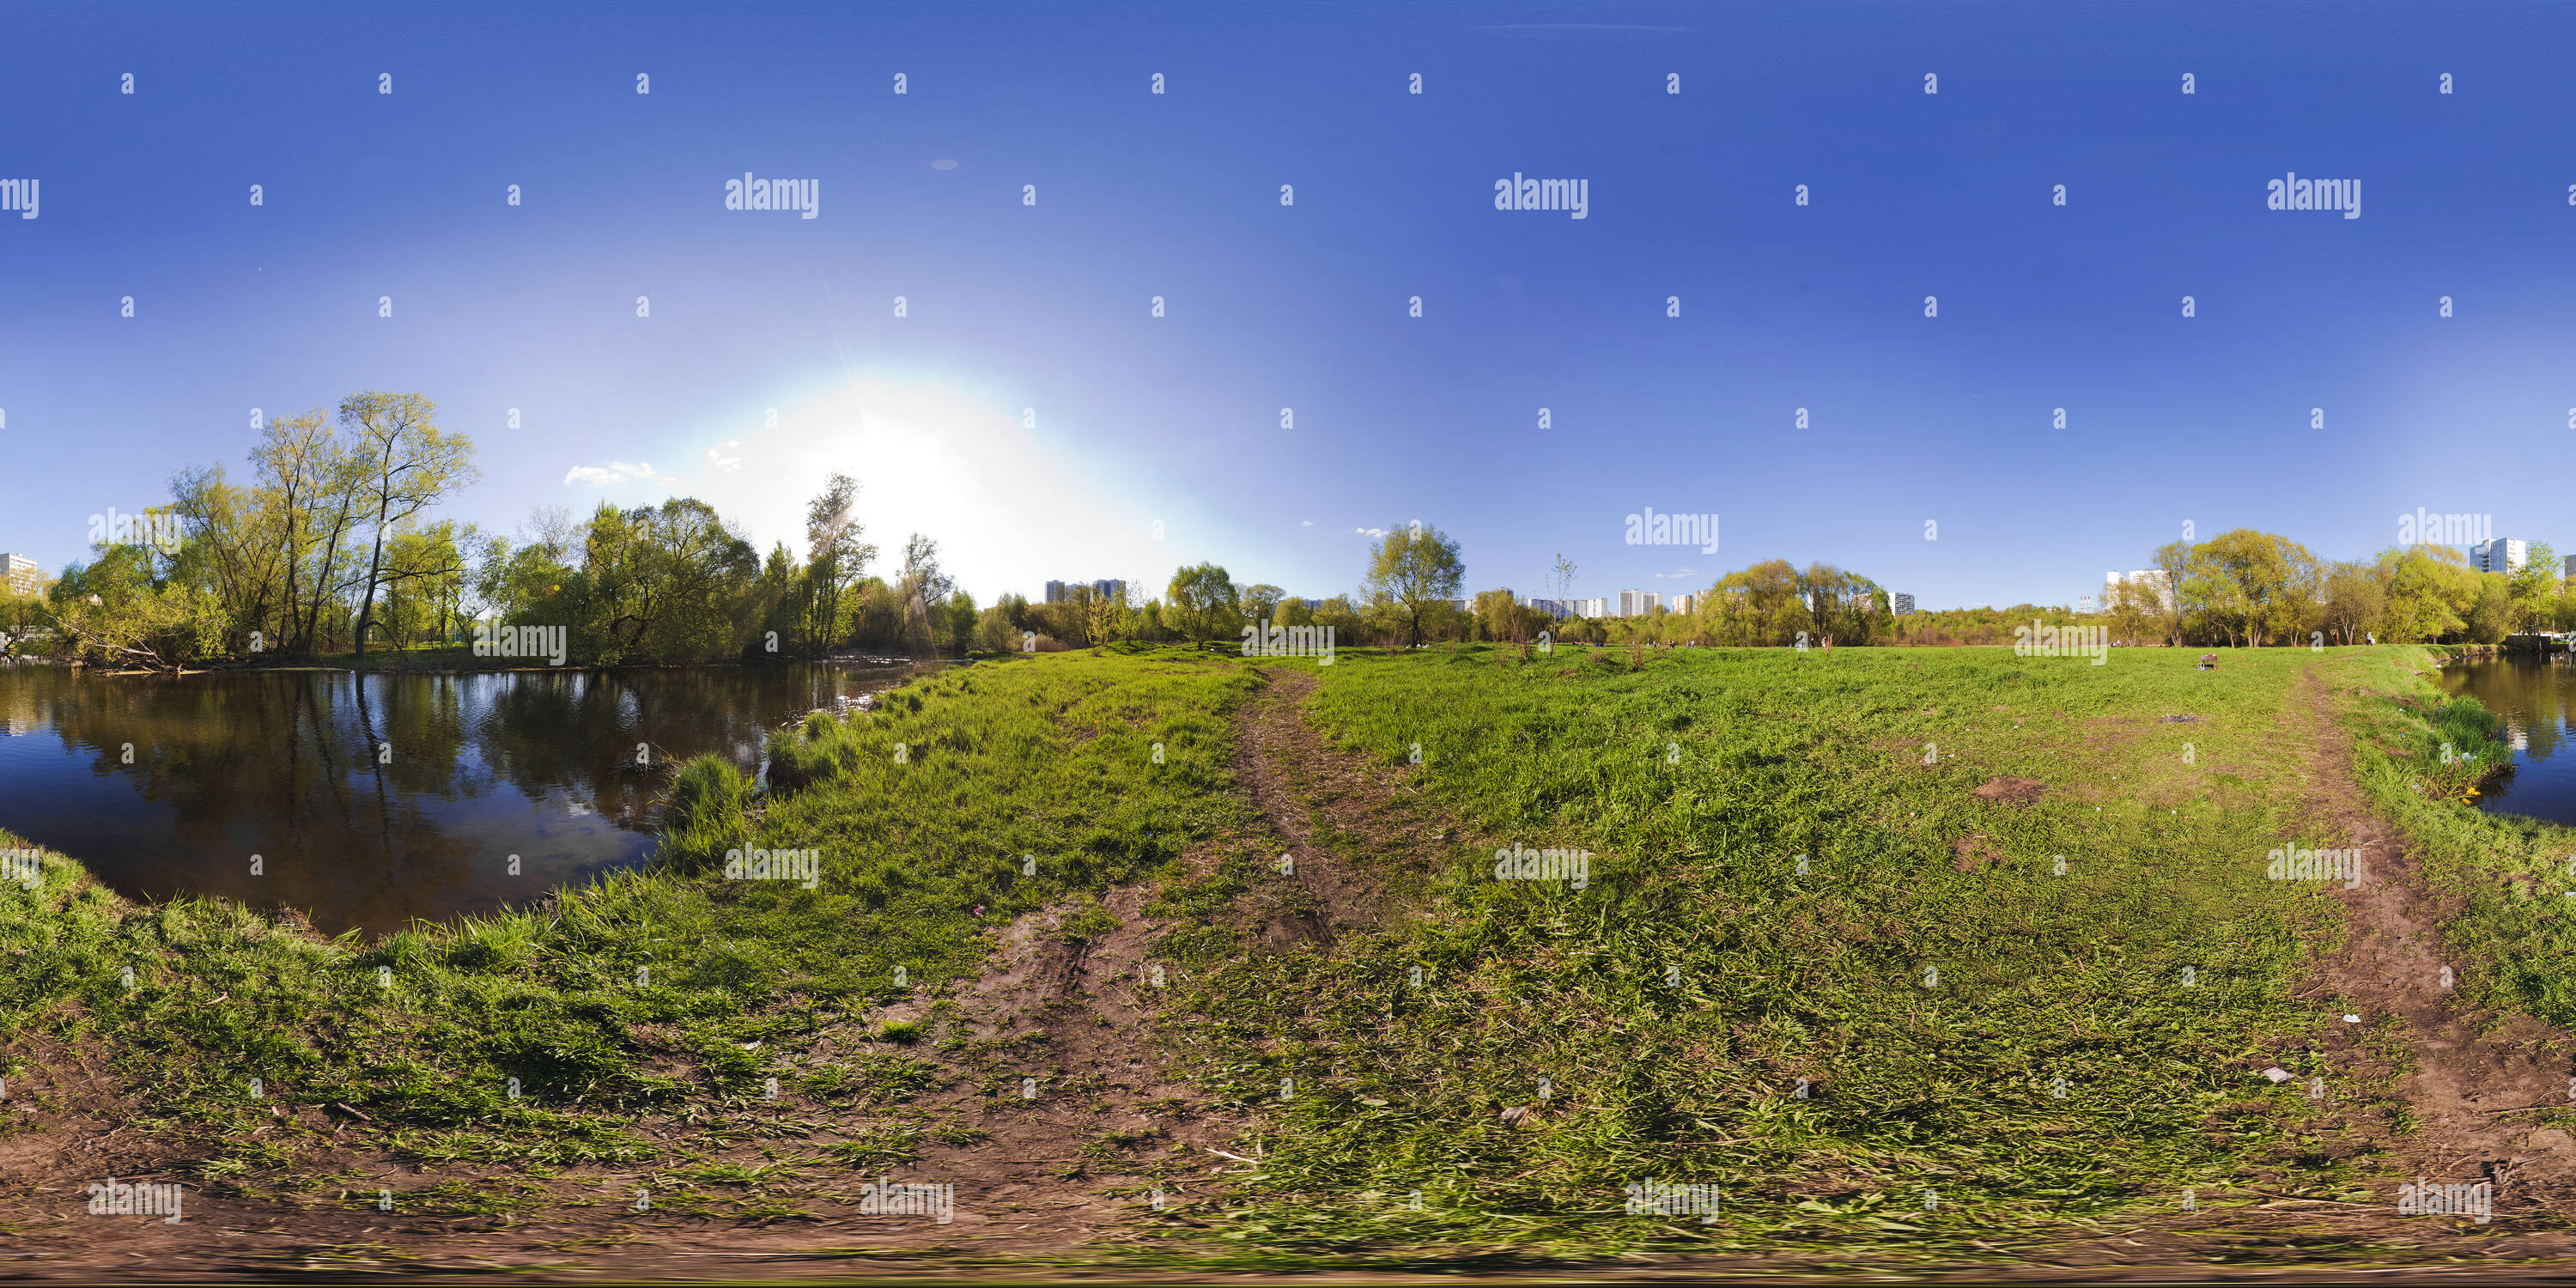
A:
{"x":1413,"y":569}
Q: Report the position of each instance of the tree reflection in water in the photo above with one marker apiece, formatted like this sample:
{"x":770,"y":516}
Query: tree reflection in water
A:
{"x":372,"y":800}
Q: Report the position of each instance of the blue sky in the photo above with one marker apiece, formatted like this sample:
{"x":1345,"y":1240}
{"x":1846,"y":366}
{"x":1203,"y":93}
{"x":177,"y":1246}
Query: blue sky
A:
{"x":1139,"y":421}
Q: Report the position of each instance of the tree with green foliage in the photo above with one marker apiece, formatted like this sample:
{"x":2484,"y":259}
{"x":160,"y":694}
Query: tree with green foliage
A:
{"x":2356,"y":599}
{"x":836,"y":557}
{"x":1413,"y":569}
{"x":1203,"y":600}
{"x":2535,"y":589}
{"x":2430,"y":590}
{"x":1260,"y":602}
{"x":2256,"y":585}
{"x":924,"y":586}
{"x":401,"y":463}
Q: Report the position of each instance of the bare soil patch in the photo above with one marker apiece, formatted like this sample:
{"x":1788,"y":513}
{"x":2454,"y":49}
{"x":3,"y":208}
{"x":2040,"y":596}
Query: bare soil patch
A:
{"x":2472,"y":1071}
{"x":2008,"y":790}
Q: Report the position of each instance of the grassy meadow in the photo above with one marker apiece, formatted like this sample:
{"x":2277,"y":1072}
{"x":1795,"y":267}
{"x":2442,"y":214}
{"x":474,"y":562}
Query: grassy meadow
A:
{"x":551,"y":1037}
{"x":1782,"y":889}
{"x":1811,"y":966}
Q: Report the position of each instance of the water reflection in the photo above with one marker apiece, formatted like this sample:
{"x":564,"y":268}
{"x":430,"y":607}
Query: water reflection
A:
{"x":2536,"y":701}
{"x":369,"y":801}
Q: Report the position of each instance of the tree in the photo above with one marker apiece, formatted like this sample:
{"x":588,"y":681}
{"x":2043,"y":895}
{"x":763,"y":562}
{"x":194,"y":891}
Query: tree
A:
{"x":2135,"y":609}
{"x":1414,"y":568}
{"x":2535,"y":587}
{"x":402,"y":463}
{"x":1561,"y":578}
{"x":2256,"y":585}
{"x":1758,"y":605}
{"x":836,"y":556}
{"x":113,"y":609}
{"x":995,"y":632}
{"x":424,"y":574}
{"x":2430,"y":592}
{"x":305,"y":478}
{"x":2173,"y":559}
{"x":2490,"y":614}
{"x":958,"y":622}
{"x":1498,"y":616}
{"x":237,"y":539}
{"x":669,"y":584}
{"x":1203,"y":599}
{"x":923,"y":585}
{"x":1261,"y":602}
{"x":1106,"y":616}
{"x":2355,"y":600}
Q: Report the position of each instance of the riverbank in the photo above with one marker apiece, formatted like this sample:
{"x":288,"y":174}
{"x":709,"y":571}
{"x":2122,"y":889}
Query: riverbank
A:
{"x":1171,"y":922}
{"x":461,"y":660}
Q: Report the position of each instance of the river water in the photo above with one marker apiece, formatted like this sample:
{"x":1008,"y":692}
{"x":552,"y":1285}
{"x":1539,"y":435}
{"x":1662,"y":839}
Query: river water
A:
{"x":2536,"y":700}
{"x":373,"y":800}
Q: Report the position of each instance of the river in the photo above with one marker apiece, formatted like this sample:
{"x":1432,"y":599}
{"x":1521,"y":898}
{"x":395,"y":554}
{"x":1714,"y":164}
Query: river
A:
{"x":2535,"y":699}
{"x":367,"y":801}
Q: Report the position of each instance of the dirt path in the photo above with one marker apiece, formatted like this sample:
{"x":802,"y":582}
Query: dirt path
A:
{"x":1036,"y":1177}
{"x":1352,"y":829}
{"x":2469,"y":1068}
{"x":1053,"y":1178}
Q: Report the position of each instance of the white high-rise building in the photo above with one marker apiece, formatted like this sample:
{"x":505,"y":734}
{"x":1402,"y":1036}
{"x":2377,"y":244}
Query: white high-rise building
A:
{"x":1632,"y":603}
{"x":1682,"y":603}
{"x":23,"y":574}
{"x":2500,"y":554}
{"x":2155,"y":583}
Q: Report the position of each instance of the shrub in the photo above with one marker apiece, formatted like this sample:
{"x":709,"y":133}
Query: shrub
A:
{"x":817,"y":752}
{"x":703,"y":816}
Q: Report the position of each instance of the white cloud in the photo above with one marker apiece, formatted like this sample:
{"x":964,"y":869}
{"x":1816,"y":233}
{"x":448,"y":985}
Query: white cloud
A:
{"x":723,"y":462}
{"x":1307,"y":524}
{"x":1679,"y":573}
{"x":1370,"y":532}
{"x":613,"y":472}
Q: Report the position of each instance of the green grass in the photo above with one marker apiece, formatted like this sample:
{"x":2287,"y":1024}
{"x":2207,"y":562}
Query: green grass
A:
{"x":2510,"y":942}
{"x":541,"y":1036}
{"x":1672,"y":1006}
{"x":1934,"y":1008}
